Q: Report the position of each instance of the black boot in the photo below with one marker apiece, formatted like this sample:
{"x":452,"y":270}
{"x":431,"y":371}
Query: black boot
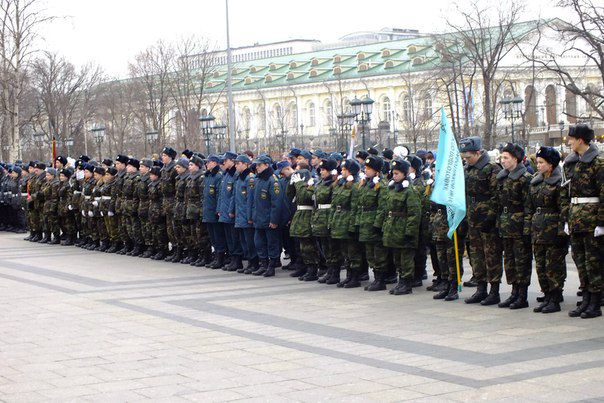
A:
{"x":55,"y":240}
{"x":125,"y":249}
{"x":547,"y":295}
{"x":219,"y":262}
{"x":593,"y":309}
{"x":45,"y":238}
{"x":442,"y":294}
{"x":378,"y":283}
{"x":236,"y":263}
{"x":346,"y":280}
{"x":522,"y":300}
{"x":272,"y":265}
{"x":326,"y":276}
{"x":471,"y":282}
{"x":160,"y":255}
{"x":68,"y":241}
{"x":138,"y":250}
{"x":335,"y":276}
{"x":479,"y":295}
{"x":511,"y":299}
{"x":354,"y":280}
{"x":113,"y":248}
{"x":435,"y":283}
{"x":36,"y":237}
{"x":311,"y":274}
{"x":554,"y":298}
{"x":575,"y":313}
{"x":453,"y":291}
{"x":493,"y":297}
{"x":404,"y":286}
{"x":252,"y":266}
{"x":417,"y":282}
{"x":104,"y":246}
{"x":29,"y":237}
{"x":262,"y":268}
{"x":299,"y":271}
{"x":148,"y":252}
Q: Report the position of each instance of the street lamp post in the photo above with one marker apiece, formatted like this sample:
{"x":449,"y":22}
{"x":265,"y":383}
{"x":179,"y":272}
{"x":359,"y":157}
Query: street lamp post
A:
{"x":206,"y":129}
{"x":99,"y":136}
{"x":512,"y":109}
{"x":220,"y":131}
{"x":361,"y":109}
{"x":151,"y":137}
{"x":302,"y":134}
{"x":561,"y":126}
{"x":69,"y":144}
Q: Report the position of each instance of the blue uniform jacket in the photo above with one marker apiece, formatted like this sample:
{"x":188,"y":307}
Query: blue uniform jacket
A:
{"x":288,"y":207}
{"x":210,"y":195}
{"x":225,"y":197}
{"x":244,"y":185}
{"x":265,"y":207}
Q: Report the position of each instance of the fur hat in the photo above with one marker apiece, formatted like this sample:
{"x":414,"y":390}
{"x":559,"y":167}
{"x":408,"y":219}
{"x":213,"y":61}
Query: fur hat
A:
{"x":400,"y":165}
{"x":581,"y":131}
{"x":515,"y":150}
{"x":550,"y":154}
{"x":374,"y":162}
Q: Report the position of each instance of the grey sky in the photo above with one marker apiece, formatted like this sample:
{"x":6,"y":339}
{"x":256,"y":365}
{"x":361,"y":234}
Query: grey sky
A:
{"x":111,"y":32}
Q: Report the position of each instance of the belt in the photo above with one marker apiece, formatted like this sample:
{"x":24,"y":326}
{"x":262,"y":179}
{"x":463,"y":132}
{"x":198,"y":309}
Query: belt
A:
{"x":543,"y":210}
{"x":513,"y":210}
{"x":323,"y":206}
{"x":106,"y":197}
{"x":479,"y":198}
{"x":368,"y":208}
{"x":341,"y":208}
{"x":77,"y":192}
{"x":24,"y":194}
{"x":584,"y":200}
{"x":97,"y":198}
{"x":304,"y":208}
{"x":396,"y":214}
{"x":86,"y":197}
{"x":7,"y":193}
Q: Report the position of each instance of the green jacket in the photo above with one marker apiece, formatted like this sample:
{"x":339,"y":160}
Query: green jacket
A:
{"x":481,"y":192}
{"x":320,"y":215}
{"x":343,"y":205}
{"x":129,"y":198}
{"x":370,"y":194}
{"x":65,"y":196}
{"x":300,"y":226}
{"x":513,"y":219}
{"x":400,"y":215}
{"x":545,"y":208}
{"x":50,"y":190}
{"x":586,"y":176}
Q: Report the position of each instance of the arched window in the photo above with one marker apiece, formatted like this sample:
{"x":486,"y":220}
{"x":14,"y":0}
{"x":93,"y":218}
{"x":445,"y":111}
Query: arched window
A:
{"x":551,"y":105}
{"x":328,"y":111}
{"x":427,"y":106}
{"x":261,"y":117}
{"x":386,"y":110}
{"x":292,"y":114}
{"x":247,"y":118}
{"x":310,"y":112}
{"x":407,"y":109}
{"x":571,"y":106}
{"x":530,"y":101}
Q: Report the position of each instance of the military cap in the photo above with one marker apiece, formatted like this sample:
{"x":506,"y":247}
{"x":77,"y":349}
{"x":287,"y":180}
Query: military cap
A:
{"x":108,"y":162}
{"x":581,"y":131}
{"x":122,"y":158}
{"x":61,"y":159}
{"x":243,"y":158}
{"x":17,"y":169}
{"x":283,"y":164}
{"x":148,"y":162}
{"x":328,"y":164}
{"x":169,"y":151}
{"x":415,"y":162}
{"x":306,"y":154}
{"x":31,"y":164}
{"x":99,"y":170}
{"x":374,"y":162}
{"x":183,"y":162}
{"x":200,"y":155}
{"x":362,"y":154}
{"x":187,"y":153}
{"x":197,"y":160}
{"x":352,"y":166}
{"x":550,"y":154}
{"x":473,"y":143}
{"x":134,"y":162}
{"x":294,"y":152}
{"x":229,"y":155}
{"x":388,"y":153}
{"x":215,"y":158}
{"x":263,"y":159}
{"x":336,"y":156}
{"x":112,"y":171}
{"x":155,"y":171}
{"x":51,"y":171}
{"x":84,"y":158}
{"x":372,"y":151}
{"x":400,"y":165}
{"x":320,"y":154}
{"x":515,"y":150}
{"x":40,"y":165}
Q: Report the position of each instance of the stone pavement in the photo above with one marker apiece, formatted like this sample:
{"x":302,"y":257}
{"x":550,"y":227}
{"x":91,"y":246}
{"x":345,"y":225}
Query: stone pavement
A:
{"x":80,"y":325}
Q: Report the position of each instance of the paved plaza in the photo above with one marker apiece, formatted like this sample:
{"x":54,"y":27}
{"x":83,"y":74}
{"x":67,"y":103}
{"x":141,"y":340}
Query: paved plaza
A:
{"x":80,"y":325}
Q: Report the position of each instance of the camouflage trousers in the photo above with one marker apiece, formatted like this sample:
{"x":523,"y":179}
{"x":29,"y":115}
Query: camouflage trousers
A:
{"x":485,"y":255}
{"x":51,"y":224}
{"x":518,"y":260}
{"x":92,"y":228}
{"x":103,"y":234}
{"x":377,"y":256}
{"x":434,"y":259}
{"x":588,"y":254}
{"x":37,"y":223}
{"x":181,"y":232}
{"x":404,"y":262}
{"x":550,"y":261}
{"x":122,"y":224}
{"x":348,"y":251}
{"x":421,"y":253}
{"x":330,"y":251}
{"x":445,"y":251}
{"x":169,"y":213}
{"x":67,"y":224}
{"x":134,"y":229}
{"x":160,"y":234}
{"x":199,"y":239}
{"x":146,"y":231}
{"x":308,"y":251}
{"x":111,"y":225}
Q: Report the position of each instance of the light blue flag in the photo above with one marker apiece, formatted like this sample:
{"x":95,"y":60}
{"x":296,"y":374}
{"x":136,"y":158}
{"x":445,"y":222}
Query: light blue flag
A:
{"x":449,"y":183}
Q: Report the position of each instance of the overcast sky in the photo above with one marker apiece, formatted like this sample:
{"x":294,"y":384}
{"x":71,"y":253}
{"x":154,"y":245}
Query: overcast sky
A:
{"x":111,"y":32}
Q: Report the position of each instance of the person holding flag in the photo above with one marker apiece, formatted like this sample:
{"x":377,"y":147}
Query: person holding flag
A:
{"x":449,"y":194}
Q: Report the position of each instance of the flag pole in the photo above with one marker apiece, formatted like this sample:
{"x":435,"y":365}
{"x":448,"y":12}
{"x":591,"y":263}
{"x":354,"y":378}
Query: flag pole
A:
{"x":457,"y":261}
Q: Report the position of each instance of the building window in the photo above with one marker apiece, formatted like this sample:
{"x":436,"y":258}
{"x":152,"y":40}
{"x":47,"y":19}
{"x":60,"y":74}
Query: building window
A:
{"x":386,"y":110}
{"x":427,"y":106}
{"x":310,"y":111}
{"x":407,"y":109}
{"x":328,"y":109}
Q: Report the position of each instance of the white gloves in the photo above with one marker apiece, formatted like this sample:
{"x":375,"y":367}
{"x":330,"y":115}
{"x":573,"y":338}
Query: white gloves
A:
{"x":70,"y":207}
{"x":566,"y":229}
{"x":95,"y":203}
{"x":83,"y":213}
{"x":90,"y":214}
{"x":599,"y":231}
{"x":110,"y":214}
{"x":311,"y":182}
{"x":295,"y":178}
{"x":102,"y":215}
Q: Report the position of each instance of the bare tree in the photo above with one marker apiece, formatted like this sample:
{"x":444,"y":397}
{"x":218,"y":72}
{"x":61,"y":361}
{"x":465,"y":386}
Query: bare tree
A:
{"x":487,"y":42}
{"x":116,"y":106}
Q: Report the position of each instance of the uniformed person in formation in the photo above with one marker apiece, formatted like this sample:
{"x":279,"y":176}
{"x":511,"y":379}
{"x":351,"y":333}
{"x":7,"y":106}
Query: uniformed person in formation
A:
{"x":299,"y":190}
{"x":550,"y":242}
{"x":142,"y":194}
{"x":240,"y":210}
{"x":179,"y":213}
{"x":107,"y":208}
{"x":157,"y":216}
{"x":584,"y":172}
{"x":212,"y":181}
{"x":484,"y":241}
{"x":322,"y":194}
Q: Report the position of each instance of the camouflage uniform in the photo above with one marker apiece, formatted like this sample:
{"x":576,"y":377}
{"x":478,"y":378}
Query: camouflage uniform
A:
{"x":121,"y":214}
{"x":484,"y":242}
{"x":168,"y":182}
{"x":50,"y":190}
{"x":157,"y":219}
{"x":66,"y":212}
{"x":107,"y":207}
{"x":319,"y":222}
{"x":586,"y":176}
{"x":130,"y":207}
{"x":421,"y":254}
{"x":300,"y":227}
{"x":142,"y":194}
{"x":86,"y":210}
{"x":76,"y":199}
{"x":399,"y":217}
{"x":36,"y":204}
{"x":181,"y":228}
{"x":98,"y":221}
{"x":550,"y":243}
{"x":199,"y":240}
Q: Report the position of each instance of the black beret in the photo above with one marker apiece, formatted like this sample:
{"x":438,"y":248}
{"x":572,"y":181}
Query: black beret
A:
{"x":169,"y":151}
{"x":550,"y":154}
{"x":374,"y":162}
{"x":328,"y":164}
{"x":388,"y":153}
{"x":107,"y":162}
{"x":400,"y":165}
{"x":134,"y":162}
{"x":372,"y":151}
{"x":61,"y":159}
{"x":112,"y":171}
{"x":84,"y":158}
{"x":187,"y":153}
{"x":155,"y":171}
{"x":122,"y":158}
{"x":581,"y":131}
{"x":99,"y":170}
{"x":416,"y":162}
{"x":514,"y":149}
